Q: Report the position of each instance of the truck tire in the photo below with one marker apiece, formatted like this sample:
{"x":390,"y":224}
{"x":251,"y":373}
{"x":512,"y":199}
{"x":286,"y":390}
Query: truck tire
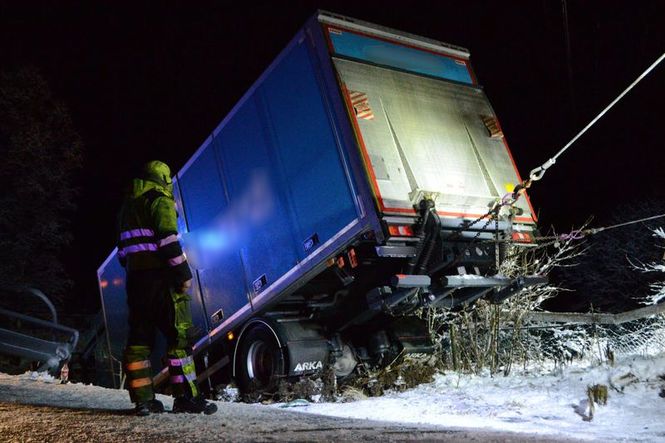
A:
{"x":259,"y":360}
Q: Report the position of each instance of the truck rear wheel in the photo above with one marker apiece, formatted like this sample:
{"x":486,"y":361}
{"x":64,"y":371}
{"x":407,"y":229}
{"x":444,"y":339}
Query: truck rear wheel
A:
{"x":259,"y":361}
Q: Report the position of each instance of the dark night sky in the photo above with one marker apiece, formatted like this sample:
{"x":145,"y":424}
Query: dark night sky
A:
{"x":151,"y":80}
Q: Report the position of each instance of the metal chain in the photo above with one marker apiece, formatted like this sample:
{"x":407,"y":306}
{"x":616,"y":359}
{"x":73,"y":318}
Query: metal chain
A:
{"x":497,"y":246}
{"x":491,"y":215}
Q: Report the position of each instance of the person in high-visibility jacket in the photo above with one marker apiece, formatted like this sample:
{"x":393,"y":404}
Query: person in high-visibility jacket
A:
{"x":158,"y":278}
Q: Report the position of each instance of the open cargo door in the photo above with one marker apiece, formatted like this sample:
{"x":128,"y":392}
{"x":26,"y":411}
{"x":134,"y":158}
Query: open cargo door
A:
{"x":421,"y":133}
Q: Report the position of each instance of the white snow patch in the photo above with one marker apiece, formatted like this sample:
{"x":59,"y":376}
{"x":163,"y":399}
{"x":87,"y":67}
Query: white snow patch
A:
{"x":39,"y":376}
{"x":547,"y":404}
{"x":659,"y":232}
{"x":530,"y":402}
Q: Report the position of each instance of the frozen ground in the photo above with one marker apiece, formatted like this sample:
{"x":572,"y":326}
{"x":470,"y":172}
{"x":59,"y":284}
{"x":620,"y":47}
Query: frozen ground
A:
{"x":35,"y":410}
{"x":552,"y":405}
{"x":453,"y":408}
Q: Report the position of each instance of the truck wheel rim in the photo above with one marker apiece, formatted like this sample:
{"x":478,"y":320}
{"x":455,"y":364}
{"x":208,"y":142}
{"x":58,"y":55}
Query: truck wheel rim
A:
{"x":260,"y":362}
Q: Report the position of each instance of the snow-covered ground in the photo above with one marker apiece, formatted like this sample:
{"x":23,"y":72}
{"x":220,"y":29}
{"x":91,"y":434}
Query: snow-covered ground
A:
{"x":461,"y":408}
{"x":551,"y":405}
{"x":43,"y":411}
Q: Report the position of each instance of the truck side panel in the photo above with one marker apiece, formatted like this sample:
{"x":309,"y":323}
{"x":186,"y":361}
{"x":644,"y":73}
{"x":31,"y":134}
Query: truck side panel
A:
{"x":199,"y":317}
{"x":270,"y":196}
{"x":263,"y":229}
{"x":319,"y":191}
{"x":216,"y":263}
{"x":345,"y":133}
{"x":111,"y":278}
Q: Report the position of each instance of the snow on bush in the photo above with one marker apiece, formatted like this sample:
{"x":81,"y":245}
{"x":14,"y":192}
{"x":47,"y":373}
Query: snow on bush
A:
{"x":489,"y":336}
{"x":657,"y":293}
{"x":552,"y":403}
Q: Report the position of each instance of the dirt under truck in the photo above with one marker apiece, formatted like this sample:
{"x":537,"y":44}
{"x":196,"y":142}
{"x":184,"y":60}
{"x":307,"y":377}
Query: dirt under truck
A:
{"x":336,"y":199}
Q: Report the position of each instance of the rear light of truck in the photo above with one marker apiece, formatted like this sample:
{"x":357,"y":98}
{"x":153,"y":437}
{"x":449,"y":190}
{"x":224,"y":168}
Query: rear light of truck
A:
{"x":400,"y":230}
{"x":342,"y":260}
{"x":353,"y":258}
{"x":522,"y":237}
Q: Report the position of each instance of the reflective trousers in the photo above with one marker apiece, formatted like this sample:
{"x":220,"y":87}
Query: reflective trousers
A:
{"x":154,"y":305}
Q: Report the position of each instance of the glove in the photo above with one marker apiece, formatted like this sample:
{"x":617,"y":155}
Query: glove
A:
{"x":184,"y":286}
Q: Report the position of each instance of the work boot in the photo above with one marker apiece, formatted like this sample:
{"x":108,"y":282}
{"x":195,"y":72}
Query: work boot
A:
{"x":194,"y":405}
{"x":144,"y":408}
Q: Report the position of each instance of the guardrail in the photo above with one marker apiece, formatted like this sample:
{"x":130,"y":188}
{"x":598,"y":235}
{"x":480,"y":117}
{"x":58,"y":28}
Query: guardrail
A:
{"x":595,"y":317}
{"x":35,"y":339}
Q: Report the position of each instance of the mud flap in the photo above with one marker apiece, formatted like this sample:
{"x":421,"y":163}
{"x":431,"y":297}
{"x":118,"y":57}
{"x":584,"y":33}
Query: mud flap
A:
{"x":307,"y":347}
{"x":413,"y":336}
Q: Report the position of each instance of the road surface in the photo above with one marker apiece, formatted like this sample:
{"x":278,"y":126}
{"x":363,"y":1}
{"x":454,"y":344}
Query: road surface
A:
{"x":38,"y":411}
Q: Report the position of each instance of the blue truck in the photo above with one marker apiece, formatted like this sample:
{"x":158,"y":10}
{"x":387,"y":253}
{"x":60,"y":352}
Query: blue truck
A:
{"x":352,"y":185}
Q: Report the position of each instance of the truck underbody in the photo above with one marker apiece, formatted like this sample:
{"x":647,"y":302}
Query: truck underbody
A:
{"x":364,"y":307}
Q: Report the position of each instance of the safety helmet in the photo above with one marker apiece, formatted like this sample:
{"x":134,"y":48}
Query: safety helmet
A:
{"x":158,"y":172}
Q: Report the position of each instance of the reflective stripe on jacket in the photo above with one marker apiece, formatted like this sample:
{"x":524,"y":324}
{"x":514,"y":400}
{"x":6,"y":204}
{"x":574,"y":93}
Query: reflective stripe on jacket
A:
{"x":148,"y":237}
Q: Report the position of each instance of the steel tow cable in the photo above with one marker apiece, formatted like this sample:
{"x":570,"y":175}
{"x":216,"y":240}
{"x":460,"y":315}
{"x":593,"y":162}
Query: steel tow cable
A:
{"x":537,"y":173}
{"x":579,"y":234}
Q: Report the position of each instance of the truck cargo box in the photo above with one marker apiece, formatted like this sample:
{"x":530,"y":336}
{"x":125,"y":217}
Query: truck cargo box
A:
{"x":329,"y":154}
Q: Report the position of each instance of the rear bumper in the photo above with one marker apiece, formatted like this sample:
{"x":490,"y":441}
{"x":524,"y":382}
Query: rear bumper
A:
{"x":459,"y":290}
{"x":454,"y":291}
